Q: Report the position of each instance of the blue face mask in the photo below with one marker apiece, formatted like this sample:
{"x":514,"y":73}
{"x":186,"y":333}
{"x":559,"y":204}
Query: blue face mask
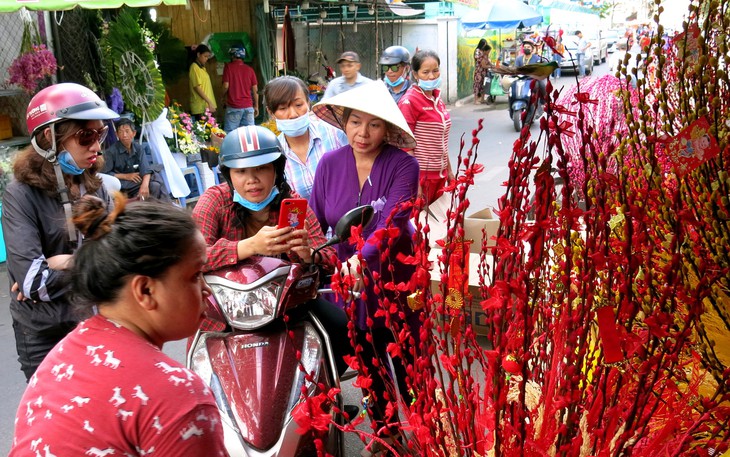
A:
{"x":431,"y":84}
{"x":68,"y":164}
{"x":293,"y":127}
{"x":255,"y":207}
{"x":395,"y":83}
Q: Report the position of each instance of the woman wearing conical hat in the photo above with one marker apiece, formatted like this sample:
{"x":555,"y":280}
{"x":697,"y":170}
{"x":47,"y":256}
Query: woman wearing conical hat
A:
{"x":372,"y":169}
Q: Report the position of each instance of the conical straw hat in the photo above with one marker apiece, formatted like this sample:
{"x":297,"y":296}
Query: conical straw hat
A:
{"x":372,"y":98}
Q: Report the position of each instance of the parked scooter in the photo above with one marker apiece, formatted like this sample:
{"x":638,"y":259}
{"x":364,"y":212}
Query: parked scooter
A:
{"x":252,"y":366}
{"x":493,"y":86}
{"x":521,"y":100}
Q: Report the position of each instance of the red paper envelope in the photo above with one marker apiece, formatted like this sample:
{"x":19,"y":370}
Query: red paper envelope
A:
{"x":693,"y":146}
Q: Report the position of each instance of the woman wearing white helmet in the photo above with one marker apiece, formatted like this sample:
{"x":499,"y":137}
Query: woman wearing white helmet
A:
{"x":66,"y":126}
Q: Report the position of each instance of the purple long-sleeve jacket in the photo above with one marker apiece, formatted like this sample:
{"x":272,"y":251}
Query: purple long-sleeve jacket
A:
{"x":393,"y":179}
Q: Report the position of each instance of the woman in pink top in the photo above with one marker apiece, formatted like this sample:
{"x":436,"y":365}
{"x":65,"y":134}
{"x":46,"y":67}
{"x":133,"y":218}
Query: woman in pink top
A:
{"x":429,"y":121}
{"x":107,"y":388}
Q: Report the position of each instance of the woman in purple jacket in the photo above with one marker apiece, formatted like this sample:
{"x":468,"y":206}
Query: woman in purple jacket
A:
{"x":372,"y":169}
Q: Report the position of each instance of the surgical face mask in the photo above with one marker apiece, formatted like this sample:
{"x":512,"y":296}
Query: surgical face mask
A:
{"x":395,"y":83}
{"x":68,"y":164}
{"x":294,"y":127}
{"x":528,"y":51}
{"x":255,"y":207}
{"x":430,"y":84}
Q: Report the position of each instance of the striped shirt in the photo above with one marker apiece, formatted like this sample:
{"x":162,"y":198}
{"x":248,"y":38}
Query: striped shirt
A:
{"x":430,"y":123}
{"x":322,"y":138}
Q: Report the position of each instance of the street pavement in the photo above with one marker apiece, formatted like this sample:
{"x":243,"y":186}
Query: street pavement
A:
{"x":494,"y":150}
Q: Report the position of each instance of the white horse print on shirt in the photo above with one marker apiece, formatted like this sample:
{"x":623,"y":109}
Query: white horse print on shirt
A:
{"x":190,"y":431}
{"x":117,"y":400}
{"x":96,"y":452}
{"x":110,"y":361}
{"x":138,"y":393}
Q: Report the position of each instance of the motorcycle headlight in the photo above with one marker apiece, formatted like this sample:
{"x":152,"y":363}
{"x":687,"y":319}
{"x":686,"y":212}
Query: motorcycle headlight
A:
{"x":249,"y":308}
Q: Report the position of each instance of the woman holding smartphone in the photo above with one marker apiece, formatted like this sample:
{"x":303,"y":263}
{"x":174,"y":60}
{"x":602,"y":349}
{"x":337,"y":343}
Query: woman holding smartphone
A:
{"x":239,"y":218}
{"x":66,"y":124}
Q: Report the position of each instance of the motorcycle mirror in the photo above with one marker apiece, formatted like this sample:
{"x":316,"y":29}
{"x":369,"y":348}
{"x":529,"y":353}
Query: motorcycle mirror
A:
{"x":361,"y":215}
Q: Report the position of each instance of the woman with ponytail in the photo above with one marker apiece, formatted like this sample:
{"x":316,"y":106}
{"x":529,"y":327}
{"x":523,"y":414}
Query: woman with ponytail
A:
{"x":107,"y":387}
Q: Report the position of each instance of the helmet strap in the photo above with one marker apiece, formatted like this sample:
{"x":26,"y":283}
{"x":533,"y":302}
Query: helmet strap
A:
{"x":51,"y":156}
{"x":63,"y":191}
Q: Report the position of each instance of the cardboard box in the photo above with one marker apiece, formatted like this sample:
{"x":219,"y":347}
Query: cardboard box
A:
{"x":436,"y":218}
{"x":474,"y":313}
{"x":6,"y":127}
{"x":475,"y":223}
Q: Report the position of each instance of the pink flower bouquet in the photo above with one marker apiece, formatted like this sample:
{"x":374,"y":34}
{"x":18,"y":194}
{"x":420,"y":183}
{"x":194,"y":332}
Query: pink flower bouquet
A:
{"x":28,"y":69}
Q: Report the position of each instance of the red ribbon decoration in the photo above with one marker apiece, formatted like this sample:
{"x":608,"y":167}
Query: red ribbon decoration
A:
{"x":608,"y":332}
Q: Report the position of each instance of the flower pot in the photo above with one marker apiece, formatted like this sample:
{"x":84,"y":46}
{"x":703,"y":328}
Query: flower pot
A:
{"x":210,"y":156}
{"x":193,"y":158}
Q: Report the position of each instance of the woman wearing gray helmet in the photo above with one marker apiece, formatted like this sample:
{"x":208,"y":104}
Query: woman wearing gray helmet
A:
{"x":395,"y":62}
{"x":238,"y":219}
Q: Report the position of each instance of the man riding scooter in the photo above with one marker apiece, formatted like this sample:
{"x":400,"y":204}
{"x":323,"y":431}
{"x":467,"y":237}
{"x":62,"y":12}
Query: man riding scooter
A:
{"x":520,"y":98}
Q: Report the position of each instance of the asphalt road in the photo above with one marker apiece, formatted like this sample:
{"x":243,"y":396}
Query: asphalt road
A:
{"x":494,"y":150}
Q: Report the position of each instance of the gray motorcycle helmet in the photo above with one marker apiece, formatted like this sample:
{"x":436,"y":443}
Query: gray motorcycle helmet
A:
{"x":394,"y":55}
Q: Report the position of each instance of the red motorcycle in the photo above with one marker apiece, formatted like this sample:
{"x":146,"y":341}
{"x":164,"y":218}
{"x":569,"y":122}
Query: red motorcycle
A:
{"x":252,"y":366}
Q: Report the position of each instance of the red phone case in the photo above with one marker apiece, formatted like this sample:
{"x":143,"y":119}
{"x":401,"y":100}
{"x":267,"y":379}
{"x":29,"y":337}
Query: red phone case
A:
{"x":292,"y":213}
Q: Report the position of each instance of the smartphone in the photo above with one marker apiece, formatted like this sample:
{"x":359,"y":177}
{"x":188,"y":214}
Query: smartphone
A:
{"x":292,"y":213}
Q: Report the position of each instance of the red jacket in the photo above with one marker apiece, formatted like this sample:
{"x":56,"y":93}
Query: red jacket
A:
{"x":430,"y":123}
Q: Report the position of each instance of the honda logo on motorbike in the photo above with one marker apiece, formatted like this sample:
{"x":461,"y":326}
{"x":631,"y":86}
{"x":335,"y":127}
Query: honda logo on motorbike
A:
{"x":254,"y":345}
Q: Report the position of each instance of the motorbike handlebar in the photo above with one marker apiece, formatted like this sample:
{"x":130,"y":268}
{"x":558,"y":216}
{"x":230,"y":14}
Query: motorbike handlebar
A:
{"x":353,"y":295}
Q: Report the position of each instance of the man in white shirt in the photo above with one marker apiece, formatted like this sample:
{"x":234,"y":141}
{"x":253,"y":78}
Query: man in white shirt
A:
{"x":349,"y":63}
{"x":583,"y":46}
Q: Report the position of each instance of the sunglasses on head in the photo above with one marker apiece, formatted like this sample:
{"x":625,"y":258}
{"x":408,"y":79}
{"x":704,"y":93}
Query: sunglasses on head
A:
{"x":395,"y":67}
{"x":87,"y":137}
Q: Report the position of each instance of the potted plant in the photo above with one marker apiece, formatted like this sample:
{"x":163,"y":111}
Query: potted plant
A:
{"x":184,"y":144}
{"x":35,"y":63}
{"x":210,"y":135}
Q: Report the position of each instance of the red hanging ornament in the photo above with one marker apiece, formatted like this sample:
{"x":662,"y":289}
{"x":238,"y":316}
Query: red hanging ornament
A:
{"x":609,"y":335}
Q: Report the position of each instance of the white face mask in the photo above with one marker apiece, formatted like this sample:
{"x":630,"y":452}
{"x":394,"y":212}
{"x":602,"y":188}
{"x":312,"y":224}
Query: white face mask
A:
{"x":294,"y":127}
{"x":430,"y":84}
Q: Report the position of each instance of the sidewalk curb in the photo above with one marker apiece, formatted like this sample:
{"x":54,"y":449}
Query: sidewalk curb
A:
{"x":465,"y":100}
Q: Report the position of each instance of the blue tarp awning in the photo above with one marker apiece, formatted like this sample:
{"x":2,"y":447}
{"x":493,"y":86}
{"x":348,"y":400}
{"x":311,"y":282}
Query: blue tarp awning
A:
{"x":502,"y":14}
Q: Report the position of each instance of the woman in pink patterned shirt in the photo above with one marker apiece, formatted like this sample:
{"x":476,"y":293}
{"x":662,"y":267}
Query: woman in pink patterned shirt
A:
{"x":107,"y":388}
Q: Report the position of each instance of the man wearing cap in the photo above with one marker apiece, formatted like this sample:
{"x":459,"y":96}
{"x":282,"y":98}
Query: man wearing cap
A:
{"x":349,"y":63}
{"x":240,"y":91}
